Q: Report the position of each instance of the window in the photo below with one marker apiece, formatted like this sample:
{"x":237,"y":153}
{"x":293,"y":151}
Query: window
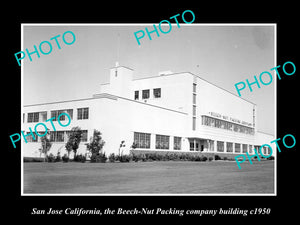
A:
{"x":194,"y":87}
{"x":68,"y":111}
{"x":43,"y":116}
{"x":162,"y":142}
{"x":244,"y":148}
{"x":142,"y":140}
{"x":63,"y":136}
{"x":194,"y":98}
{"x":237,"y":147}
{"x":33,"y":117}
{"x":229,"y":146}
{"x":268,"y":151}
{"x":59,"y":136}
{"x":194,"y":110}
{"x":213,"y":122}
{"x":250,"y":148}
{"x":177,"y":143}
{"x":29,"y":137}
{"x":220,"y":146}
{"x":191,"y":146}
{"x":62,"y":117}
{"x":157,"y":92}
{"x":82,"y":113}
{"x":194,"y":123}
{"x":146,"y":94}
{"x":79,"y":114}
{"x":54,"y":114}
{"x":52,"y":136}
{"x":194,"y":145}
{"x":36,"y":117}
{"x":136,"y":95}
{"x":265,"y":150}
{"x":29,"y":117}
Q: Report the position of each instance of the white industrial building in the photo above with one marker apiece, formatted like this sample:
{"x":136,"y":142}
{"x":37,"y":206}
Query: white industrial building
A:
{"x":166,"y":112}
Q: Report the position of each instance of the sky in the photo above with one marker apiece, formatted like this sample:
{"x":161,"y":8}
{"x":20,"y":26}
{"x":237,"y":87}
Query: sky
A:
{"x":221,"y":54}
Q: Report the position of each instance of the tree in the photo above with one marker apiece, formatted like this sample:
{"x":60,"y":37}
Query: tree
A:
{"x":74,"y":140}
{"x":46,"y":145}
{"x":96,"y":143}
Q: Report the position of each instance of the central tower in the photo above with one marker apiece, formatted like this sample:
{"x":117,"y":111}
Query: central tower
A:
{"x":121,"y":81}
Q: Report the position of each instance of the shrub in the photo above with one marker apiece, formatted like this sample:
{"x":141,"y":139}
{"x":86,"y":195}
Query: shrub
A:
{"x":154,"y":157}
{"x":125,"y":158}
{"x":143,"y":157}
{"x":225,"y":158}
{"x":117,"y":158}
{"x":147,"y":157}
{"x":65,"y":158}
{"x":96,"y":143}
{"x":217,"y":157}
{"x":98,"y":158}
{"x":203,"y":158}
{"x":183,"y":157}
{"x":158,"y":157}
{"x":50,"y":158}
{"x":58,"y":158}
{"x":210,"y":158}
{"x":74,"y":140}
{"x":197,"y":158}
{"x":33,"y":159}
{"x":270,"y":158}
{"x":135,"y":157}
{"x":112,"y":157}
{"x":80,"y":158}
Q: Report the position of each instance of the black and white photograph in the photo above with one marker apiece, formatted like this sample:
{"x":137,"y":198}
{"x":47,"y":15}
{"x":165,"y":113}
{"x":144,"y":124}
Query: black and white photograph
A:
{"x":106,"y":112}
{"x":149,"y":112}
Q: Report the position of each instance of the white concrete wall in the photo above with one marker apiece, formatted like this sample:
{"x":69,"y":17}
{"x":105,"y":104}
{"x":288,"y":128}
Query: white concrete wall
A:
{"x":214,"y":99}
{"x":121,"y":81}
{"x":175,"y":90}
{"x":123,"y":117}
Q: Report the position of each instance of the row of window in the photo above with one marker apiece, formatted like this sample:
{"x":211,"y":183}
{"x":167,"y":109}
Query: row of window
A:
{"x":142,"y":140}
{"x":56,"y":136}
{"x":230,"y":147}
{"x":146,"y":93}
{"x":213,"y":122}
{"x":238,"y":148}
{"x":82,"y":114}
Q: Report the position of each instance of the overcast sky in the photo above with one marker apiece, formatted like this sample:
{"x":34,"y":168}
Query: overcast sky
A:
{"x":223,"y":55}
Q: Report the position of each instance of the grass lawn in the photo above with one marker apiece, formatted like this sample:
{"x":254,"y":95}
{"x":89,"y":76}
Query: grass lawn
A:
{"x":170,"y":177}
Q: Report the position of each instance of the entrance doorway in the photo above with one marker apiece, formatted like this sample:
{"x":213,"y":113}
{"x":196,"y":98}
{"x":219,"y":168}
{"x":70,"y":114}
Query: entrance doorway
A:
{"x":199,"y":144}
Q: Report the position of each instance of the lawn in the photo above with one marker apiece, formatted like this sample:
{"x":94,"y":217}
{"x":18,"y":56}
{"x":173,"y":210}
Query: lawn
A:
{"x":170,"y":177}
